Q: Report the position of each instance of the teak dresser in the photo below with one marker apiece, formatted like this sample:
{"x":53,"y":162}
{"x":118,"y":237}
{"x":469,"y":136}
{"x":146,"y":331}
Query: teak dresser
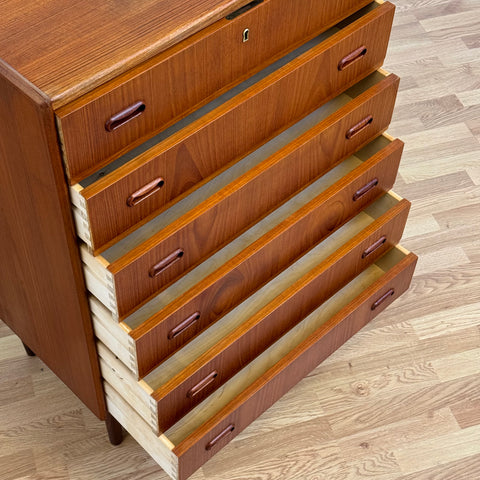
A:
{"x":195,"y":202}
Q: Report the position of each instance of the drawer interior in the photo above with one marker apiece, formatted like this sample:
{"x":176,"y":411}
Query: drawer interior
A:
{"x":188,"y":424}
{"x":210,"y":337}
{"x":179,"y":288}
{"x":95,"y":267}
{"x":108,"y":331}
{"x":230,"y":94}
{"x":195,"y":199}
{"x":219,"y":400}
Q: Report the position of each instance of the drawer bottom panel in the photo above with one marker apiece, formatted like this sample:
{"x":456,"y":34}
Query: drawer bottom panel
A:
{"x":200,"y":434}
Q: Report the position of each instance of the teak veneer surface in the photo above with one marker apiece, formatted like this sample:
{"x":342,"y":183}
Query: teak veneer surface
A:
{"x":233,"y":405}
{"x":38,"y":246}
{"x":190,"y":74}
{"x":263,"y":328}
{"x":261,"y":394}
{"x":191,"y":155}
{"x":130,"y":269}
{"x":67,"y":48}
{"x":252,"y":267}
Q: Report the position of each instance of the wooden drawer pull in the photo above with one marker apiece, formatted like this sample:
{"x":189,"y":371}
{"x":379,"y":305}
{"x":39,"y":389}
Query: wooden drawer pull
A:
{"x":146,"y":191}
{"x":356,"y":129}
{"x":374,"y":246}
{"x":352,"y":58}
{"x":202,"y":384}
{"x":243,"y":9}
{"x":383,"y":298}
{"x":124,"y":116}
{"x":181,"y":327}
{"x":221,"y":435}
{"x":166,"y":262}
{"x":365,"y":189}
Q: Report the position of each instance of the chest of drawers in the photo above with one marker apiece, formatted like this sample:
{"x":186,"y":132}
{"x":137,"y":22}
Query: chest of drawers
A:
{"x":196,"y":203}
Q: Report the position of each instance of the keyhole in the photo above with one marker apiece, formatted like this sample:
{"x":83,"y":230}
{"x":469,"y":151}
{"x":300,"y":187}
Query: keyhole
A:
{"x":246,"y":35}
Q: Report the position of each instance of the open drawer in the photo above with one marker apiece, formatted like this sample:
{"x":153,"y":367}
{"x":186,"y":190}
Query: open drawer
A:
{"x":182,"y":381}
{"x":197,"y":436}
{"x":127,"y":110}
{"x":210,"y":291}
{"x":147,"y":180}
{"x":155,"y":255}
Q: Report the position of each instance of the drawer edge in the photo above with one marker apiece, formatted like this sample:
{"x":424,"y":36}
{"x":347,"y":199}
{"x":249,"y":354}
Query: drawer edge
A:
{"x":295,"y":366}
{"x":159,"y":448}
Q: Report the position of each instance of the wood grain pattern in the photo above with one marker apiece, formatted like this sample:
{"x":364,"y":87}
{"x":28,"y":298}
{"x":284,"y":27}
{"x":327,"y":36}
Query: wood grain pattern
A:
{"x":126,"y":384}
{"x":53,"y":435}
{"x":66,"y":50}
{"x":225,"y":288}
{"x":232,"y":397}
{"x":291,"y":369}
{"x":38,"y":250}
{"x":106,"y":201}
{"x":130,"y":269}
{"x":260,"y":331}
{"x":195,"y":147}
{"x":168,"y":89}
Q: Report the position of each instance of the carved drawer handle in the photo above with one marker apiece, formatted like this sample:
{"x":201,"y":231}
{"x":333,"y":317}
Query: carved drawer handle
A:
{"x":167,"y":262}
{"x":146,"y":191}
{"x":221,"y":435}
{"x":181,"y":327}
{"x":352,"y":57}
{"x":210,"y":378}
{"x":365,"y":189}
{"x":374,"y":246}
{"x":383,"y":298}
{"x":361,"y":125}
{"x":121,"y":118}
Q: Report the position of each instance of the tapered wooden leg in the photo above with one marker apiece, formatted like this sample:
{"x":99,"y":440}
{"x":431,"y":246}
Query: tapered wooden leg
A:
{"x":114,"y":430}
{"x":30,"y":352}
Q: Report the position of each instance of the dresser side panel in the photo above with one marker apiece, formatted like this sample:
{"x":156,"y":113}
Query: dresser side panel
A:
{"x":42,"y":291}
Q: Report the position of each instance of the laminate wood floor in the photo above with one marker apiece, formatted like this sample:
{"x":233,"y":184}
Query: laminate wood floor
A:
{"x":401,"y":400}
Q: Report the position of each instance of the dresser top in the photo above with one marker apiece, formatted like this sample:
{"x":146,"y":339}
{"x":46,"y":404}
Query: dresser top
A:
{"x":67,"y":48}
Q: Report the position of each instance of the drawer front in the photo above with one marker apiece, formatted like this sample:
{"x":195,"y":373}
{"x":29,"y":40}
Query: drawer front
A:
{"x":185,"y":76}
{"x":217,"y":294}
{"x":212,"y":369}
{"x":134,"y":267}
{"x":194,"y":154}
{"x":219,"y":430}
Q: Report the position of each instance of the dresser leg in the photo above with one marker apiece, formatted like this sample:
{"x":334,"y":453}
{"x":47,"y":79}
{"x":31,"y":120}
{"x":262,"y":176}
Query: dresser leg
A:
{"x":114,"y":430}
{"x":30,"y":352}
